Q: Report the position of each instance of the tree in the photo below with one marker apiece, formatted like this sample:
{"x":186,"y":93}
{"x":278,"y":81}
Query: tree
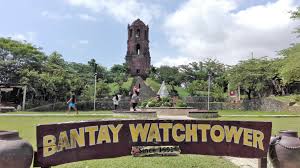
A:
{"x":296,"y":15}
{"x":118,"y":68}
{"x":16,"y":56}
{"x":290,"y":69}
{"x":198,"y":88}
{"x":200,"y":71}
{"x":102,"y":91}
{"x":170,"y":75}
{"x":254,"y":76}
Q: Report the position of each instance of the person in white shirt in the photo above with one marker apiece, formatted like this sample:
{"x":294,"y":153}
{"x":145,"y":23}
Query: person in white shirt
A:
{"x":116,"y":100}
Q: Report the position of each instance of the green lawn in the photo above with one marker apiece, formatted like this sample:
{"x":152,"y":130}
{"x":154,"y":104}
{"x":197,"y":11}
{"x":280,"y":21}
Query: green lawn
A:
{"x":286,"y":99}
{"x":153,"y":84}
{"x":278,"y":123}
{"x":240,"y":112}
{"x":182,"y":161}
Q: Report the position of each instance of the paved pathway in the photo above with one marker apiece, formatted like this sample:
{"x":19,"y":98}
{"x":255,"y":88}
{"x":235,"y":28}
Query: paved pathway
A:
{"x":243,"y":162}
{"x":175,"y":117}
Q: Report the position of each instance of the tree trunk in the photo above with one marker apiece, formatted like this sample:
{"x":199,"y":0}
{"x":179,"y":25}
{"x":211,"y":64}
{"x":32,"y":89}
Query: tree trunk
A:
{"x":249,"y":94}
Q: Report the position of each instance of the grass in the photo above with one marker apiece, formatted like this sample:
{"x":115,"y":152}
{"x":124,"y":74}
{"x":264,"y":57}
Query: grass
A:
{"x":285,"y":99}
{"x":153,"y":84}
{"x":278,"y":123}
{"x":182,"y":161}
{"x":240,"y":112}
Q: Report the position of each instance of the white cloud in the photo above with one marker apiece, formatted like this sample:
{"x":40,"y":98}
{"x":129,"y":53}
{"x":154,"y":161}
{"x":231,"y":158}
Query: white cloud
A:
{"x":172,"y":61}
{"x":83,"y":41}
{"x":87,"y":17}
{"x":210,"y":28}
{"x":28,"y":36}
{"x":79,"y":45}
{"x":56,"y":16}
{"x":122,"y":10}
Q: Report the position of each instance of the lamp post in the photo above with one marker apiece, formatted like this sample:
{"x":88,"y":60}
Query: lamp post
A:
{"x":95,"y":91}
{"x":209,"y":76}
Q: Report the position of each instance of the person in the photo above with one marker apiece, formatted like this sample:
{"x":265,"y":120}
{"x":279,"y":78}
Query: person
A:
{"x":136,"y":89}
{"x":134,"y":100}
{"x":158,"y":98}
{"x":72,"y":104}
{"x":116,"y":100}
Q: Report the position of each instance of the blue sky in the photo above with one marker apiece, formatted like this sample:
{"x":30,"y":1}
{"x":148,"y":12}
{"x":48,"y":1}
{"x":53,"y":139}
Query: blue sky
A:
{"x":180,"y":31}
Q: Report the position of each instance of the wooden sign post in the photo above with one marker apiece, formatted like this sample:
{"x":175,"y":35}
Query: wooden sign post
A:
{"x":75,"y":141}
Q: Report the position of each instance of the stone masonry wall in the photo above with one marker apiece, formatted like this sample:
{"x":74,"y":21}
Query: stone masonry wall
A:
{"x":103,"y":104}
{"x":266,"y":104}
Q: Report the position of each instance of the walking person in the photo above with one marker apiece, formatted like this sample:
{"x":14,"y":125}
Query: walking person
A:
{"x":72,"y":104}
{"x":116,"y":100}
{"x":134,"y":100}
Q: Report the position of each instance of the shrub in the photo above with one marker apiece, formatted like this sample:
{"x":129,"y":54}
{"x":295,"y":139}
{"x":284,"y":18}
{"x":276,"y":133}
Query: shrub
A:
{"x":181,"y":103}
{"x":144,"y":104}
{"x":153,"y":102}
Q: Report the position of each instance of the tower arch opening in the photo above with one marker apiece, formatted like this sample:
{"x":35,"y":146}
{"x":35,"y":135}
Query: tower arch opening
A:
{"x":138,"y":33}
{"x":138,"y":49}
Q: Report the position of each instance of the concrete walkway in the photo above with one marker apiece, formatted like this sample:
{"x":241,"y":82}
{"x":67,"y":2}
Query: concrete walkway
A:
{"x":175,"y":117}
{"x":243,"y":162}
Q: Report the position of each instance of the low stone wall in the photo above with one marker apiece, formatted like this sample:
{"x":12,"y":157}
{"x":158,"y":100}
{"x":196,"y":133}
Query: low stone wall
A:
{"x":194,"y":99}
{"x":266,"y":104}
{"x":103,"y":104}
{"x":203,"y":114}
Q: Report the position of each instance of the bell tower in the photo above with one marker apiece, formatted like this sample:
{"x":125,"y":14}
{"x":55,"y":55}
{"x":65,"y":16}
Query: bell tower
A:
{"x":138,"y":56}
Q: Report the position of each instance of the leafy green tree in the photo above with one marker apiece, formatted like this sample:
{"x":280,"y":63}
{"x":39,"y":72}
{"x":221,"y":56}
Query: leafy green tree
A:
{"x":254,"y":76}
{"x":200,"y":71}
{"x":170,"y":75}
{"x":290,"y":70}
{"x":102,"y":91}
{"x":198,"y":88}
{"x":16,"y":56}
{"x":296,"y":15}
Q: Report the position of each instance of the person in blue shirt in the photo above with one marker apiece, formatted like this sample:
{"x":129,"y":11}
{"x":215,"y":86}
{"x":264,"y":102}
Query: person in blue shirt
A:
{"x":72,"y":104}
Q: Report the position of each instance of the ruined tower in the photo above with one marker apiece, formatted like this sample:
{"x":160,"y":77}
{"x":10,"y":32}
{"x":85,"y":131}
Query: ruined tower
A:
{"x":138,"y":55}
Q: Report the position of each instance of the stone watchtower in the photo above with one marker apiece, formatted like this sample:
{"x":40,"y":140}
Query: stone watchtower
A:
{"x":138,"y":55}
